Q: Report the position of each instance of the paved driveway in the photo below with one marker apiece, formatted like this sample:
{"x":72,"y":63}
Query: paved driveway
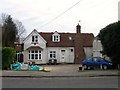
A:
{"x":63,"y":68}
{"x":69,"y":70}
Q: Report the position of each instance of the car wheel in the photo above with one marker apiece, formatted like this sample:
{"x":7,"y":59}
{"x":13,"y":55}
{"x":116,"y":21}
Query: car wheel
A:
{"x":104,"y":67}
{"x":85,"y":67}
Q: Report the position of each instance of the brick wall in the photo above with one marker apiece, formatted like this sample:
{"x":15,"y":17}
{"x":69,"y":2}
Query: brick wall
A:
{"x":78,"y":44}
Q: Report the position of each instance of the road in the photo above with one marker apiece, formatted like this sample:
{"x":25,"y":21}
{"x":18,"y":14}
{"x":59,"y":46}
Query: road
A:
{"x":61,"y":82}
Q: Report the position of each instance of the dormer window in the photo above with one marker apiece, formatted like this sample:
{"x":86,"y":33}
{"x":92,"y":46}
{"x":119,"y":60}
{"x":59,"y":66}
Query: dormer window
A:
{"x":56,"y":37}
{"x":34,"y":39}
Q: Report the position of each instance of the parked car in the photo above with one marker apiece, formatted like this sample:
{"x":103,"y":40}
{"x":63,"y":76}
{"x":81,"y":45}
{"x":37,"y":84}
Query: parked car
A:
{"x":96,"y":62}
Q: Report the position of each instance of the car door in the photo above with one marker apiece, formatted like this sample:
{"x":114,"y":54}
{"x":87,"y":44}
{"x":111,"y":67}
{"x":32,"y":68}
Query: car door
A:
{"x":90,"y":62}
{"x":96,"y":62}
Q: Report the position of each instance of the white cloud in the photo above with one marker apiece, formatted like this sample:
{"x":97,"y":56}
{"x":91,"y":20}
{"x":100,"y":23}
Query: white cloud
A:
{"x":40,"y":14}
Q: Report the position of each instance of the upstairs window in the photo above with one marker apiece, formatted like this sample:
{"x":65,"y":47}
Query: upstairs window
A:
{"x":34,"y":39}
{"x":56,"y":37}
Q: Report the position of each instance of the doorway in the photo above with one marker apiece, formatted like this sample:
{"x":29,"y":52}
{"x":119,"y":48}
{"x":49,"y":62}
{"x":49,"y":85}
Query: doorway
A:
{"x":63,"y":56}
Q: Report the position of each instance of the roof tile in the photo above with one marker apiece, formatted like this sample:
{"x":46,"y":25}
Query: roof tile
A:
{"x":67,"y":39}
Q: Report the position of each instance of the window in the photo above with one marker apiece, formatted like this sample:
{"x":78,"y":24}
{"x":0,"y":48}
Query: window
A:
{"x":70,"y":38}
{"x":52,"y":54}
{"x":56,"y":37}
{"x":35,"y":55}
{"x":34,"y":39}
{"x":71,"y":50}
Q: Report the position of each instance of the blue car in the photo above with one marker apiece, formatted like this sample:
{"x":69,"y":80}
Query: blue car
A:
{"x":96,"y":62}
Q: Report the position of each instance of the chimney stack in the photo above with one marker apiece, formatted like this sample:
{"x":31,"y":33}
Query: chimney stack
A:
{"x":78,"y":28}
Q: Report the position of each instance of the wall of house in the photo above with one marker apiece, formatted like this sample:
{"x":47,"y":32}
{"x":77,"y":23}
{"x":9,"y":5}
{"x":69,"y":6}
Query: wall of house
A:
{"x":88,"y":51}
{"x":68,"y":56}
{"x":97,"y":47}
{"x":29,"y":43}
{"x":41,"y":43}
{"x":43,"y":60}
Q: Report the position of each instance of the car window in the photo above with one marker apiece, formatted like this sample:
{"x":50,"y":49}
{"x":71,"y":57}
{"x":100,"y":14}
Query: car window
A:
{"x":99,"y":59}
{"x":102,"y":59}
{"x":95,"y":59}
{"x":89,"y":59}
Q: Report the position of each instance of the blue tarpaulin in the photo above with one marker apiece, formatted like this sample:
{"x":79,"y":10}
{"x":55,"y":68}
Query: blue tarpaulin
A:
{"x":35,"y":67}
{"x":16,"y":66}
{"x":19,"y":66}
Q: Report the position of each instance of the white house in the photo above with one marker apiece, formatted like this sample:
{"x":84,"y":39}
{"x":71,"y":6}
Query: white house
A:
{"x":41,"y":47}
{"x":97,"y":48}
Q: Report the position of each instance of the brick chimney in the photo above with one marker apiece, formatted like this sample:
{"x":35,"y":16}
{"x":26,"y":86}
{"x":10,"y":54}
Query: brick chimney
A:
{"x":78,"y":44}
{"x":78,"y":28}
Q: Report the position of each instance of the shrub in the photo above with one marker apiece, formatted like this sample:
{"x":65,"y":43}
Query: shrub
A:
{"x":8,"y":56}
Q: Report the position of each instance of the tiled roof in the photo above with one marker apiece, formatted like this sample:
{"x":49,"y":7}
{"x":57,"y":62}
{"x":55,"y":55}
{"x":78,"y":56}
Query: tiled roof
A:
{"x":67,"y":39}
{"x":87,"y":39}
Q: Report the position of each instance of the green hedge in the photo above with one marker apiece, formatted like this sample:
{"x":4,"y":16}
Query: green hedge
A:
{"x":8,"y":56}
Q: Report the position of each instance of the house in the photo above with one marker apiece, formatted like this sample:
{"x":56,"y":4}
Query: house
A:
{"x":18,"y":45}
{"x":41,"y":47}
{"x":97,"y":48}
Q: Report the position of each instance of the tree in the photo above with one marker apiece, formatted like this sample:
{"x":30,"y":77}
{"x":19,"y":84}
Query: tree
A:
{"x":20,"y":29}
{"x":11,"y":27}
{"x":3,"y":18}
{"x":8,"y":55}
{"x":110,"y":39}
{"x":9,"y":31}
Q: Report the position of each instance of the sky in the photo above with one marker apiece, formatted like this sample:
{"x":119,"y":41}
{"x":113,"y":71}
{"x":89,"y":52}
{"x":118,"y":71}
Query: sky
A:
{"x":62,"y":15}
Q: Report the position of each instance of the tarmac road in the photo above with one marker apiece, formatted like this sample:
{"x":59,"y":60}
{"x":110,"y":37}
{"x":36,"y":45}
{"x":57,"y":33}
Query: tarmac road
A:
{"x":60,"y":76}
{"x":61,"y":82}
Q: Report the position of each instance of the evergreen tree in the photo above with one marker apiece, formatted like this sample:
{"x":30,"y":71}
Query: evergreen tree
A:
{"x":110,"y":39}
{"x":9,"y":32}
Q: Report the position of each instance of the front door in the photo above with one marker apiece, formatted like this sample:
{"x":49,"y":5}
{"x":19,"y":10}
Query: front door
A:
{"x":63,"y":54}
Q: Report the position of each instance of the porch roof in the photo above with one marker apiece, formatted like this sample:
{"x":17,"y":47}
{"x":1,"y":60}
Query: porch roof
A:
{"x":34,"y":48}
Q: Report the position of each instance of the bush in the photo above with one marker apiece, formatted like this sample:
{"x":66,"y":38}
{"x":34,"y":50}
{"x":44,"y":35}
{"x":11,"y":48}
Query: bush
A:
{"x":0,"y":58}
{"x":8,"y":56}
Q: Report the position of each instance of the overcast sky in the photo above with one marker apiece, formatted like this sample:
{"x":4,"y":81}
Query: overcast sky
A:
{"x":62,"y":15}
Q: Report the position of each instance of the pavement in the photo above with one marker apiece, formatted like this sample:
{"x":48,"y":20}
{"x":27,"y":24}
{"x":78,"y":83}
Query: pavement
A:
{"x":64,"y":70}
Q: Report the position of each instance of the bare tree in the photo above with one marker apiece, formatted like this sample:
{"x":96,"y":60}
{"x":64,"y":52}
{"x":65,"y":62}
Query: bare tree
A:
{"x":3,"y":18}
{"x":21,"y":31}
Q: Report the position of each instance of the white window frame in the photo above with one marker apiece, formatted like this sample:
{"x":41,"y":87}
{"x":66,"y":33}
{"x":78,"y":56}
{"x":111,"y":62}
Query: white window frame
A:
{"x":35,"y":39}
{"x":35,"y":55}
{"x":56,"y":37}
{"x":52,"y":54}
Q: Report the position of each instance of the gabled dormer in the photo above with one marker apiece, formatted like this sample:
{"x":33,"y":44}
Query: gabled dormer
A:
{"x":34,"y":40}
{"x":56,"y":37}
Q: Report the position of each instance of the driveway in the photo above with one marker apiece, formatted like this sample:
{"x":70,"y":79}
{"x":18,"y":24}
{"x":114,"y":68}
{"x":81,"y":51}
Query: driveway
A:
{"x":64,"y":70}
